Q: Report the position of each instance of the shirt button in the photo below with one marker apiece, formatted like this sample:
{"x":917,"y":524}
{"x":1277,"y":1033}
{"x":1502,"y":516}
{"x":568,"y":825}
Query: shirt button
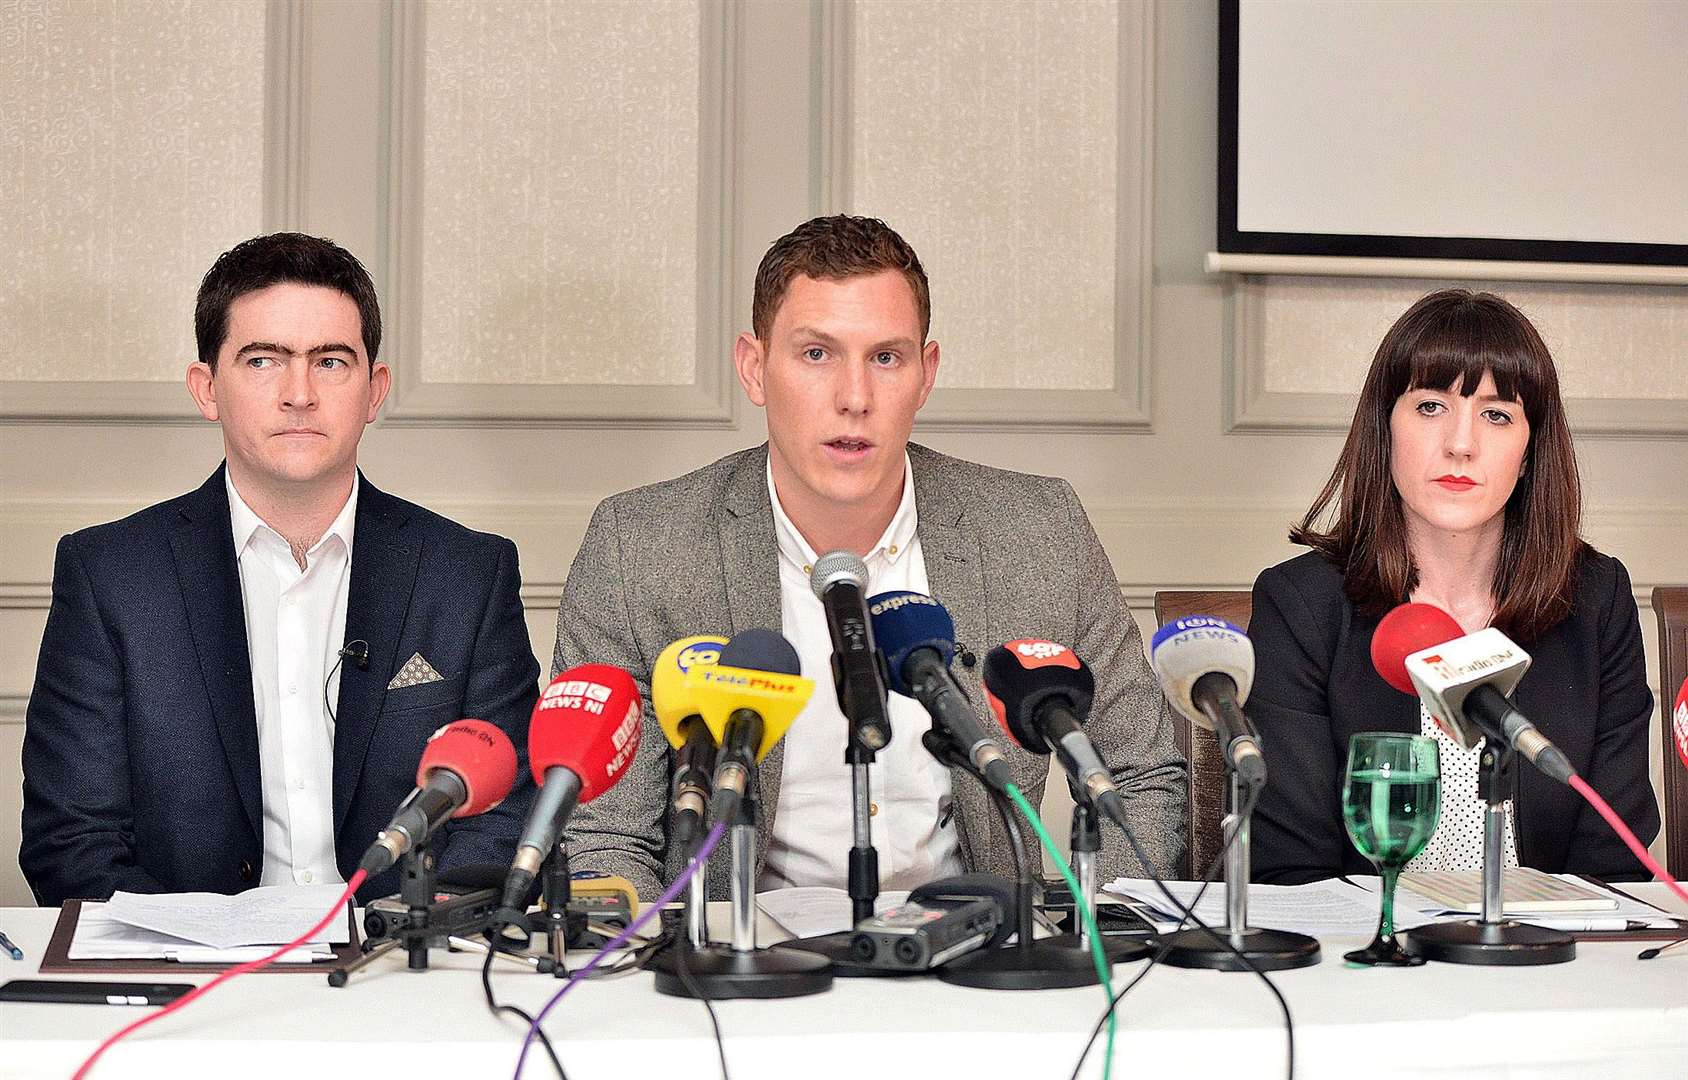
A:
{"x":892,"y":549}
{"x":872,"y":809}
{"x":292,"y":688}
{"x":807,"y":569}
{"x":307,"y":877}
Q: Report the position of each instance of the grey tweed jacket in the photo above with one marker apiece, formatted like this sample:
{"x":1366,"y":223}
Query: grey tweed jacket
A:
{"x":1009,"y":554}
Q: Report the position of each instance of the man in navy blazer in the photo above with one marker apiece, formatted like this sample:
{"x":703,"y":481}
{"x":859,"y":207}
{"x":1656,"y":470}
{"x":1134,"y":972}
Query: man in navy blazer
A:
{"x":180,"y":735}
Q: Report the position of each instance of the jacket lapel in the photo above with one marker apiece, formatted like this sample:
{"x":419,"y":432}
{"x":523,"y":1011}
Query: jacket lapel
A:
{"x":203,"y":546}
{"x":384,"y":561}
{"x":955,"y":578}
{"x":750,"y":563}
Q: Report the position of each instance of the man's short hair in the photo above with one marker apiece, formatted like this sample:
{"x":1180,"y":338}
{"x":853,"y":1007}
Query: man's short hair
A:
{"x":833,"y":248}
{"x":263,"y":261}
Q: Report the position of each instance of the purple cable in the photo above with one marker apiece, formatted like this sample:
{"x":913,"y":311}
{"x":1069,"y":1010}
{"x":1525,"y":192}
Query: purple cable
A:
{"x":577,"y":975}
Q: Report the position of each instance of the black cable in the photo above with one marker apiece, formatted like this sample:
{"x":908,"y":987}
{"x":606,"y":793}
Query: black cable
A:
{"x":681,"y":944}
{"x":1189,"y":914}
{"x":496,"y":1008}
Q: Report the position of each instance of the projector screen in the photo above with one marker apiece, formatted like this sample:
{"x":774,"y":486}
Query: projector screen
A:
{"x":1553,"y":132}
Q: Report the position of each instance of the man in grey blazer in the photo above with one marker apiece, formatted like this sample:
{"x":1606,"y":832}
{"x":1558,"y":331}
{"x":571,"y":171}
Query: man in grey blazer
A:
{"x":839,"y":359}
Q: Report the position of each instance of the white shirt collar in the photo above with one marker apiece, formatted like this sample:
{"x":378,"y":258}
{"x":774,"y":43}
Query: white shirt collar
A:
{"x":245,"y":522}
{"x":893,"y":543}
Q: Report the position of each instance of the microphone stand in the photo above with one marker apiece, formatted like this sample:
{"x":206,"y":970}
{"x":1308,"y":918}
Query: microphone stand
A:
{"x":1255,"y":948}
{"x":1027,"y":964}
{"x":420,"y":920}
{"x":1492,"y":939}
{"x":1086,"y":841}
{"x":740,"y":970}
{"x":864,"y":873}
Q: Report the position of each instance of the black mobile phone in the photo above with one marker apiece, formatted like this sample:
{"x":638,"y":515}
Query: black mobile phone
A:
{"x":66,"y":992}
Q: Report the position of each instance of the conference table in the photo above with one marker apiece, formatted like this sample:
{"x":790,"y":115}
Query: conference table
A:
{"x":1605,"y":1014}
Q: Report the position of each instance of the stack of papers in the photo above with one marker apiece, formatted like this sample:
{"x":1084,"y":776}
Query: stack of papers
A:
{"x":1322,"y":908}
{"x":1539,"y":903}
{"x":813,"y":910}
{"x":209,"y":928}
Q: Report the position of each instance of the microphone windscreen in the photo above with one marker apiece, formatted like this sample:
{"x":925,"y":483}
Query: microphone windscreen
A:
{"x":977,"y":886}
{"x":761,"y":650}
{"x":1404,"y":631}
{"x":1184,"y":650}
{"x":836,"y":566}
{"x":587,"y":721}
{"x":1021,"y":677}
{"x":671,"y":699}
{"x":480,"y":754}
{"x":904,"y":622}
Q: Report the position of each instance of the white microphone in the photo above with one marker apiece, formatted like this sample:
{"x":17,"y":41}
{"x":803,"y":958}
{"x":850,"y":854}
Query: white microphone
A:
{"x":1206,"y":668}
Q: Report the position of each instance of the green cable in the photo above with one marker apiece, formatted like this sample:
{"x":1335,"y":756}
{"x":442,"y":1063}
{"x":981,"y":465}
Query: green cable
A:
{"x":1081,"y":904}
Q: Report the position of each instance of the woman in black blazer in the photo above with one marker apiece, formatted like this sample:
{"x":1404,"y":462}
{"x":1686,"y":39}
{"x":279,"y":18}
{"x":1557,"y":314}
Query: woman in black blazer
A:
{"x":1457,"y":487}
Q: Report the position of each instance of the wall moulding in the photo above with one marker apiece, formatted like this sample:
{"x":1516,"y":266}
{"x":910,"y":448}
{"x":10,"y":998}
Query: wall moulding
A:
{"x":1124,"y":406}
{"x":1252,"y":406}
{"x":707,"y":401}
{"x":166,"y":402}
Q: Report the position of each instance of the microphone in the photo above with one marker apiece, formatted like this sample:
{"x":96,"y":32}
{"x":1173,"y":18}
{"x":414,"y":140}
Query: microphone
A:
{"x":748,"y":698}
{"x":858,"y":667}
{"x":1206,"y":668}
{"x":677,"y":712}
{"x":582,"y":734}
{"x":467,"y":768}
{"x":1464,"y":680}
{"x":918,"y":637}
{"x":1041,"y":693}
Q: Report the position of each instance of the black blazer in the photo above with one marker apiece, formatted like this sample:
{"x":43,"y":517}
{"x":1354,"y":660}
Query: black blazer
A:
{"x":1314,"y":687}
{"x":140,"y":755}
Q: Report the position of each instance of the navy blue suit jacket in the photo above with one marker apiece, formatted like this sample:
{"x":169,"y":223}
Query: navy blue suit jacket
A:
{"x":140,"y":758}
{"x":1315,"y":688}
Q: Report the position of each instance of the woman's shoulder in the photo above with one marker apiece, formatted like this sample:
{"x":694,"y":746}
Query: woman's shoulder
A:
{"x":1310,"y":576}
{"x":1600,"y":578}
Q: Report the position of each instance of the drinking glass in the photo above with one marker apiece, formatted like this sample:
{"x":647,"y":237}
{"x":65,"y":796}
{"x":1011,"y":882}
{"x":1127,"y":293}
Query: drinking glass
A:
{"x":1391,"y":797}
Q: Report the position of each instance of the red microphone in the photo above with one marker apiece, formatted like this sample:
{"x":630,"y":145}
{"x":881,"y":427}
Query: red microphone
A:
{"x":467,"y":768}
{"x":1404,"y":631}
{"x":583,"y":733}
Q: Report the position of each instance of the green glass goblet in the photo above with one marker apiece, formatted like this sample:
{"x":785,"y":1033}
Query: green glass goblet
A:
{"x":1391,"y":798}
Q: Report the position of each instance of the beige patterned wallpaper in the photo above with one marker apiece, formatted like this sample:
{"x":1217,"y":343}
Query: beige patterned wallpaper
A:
{"x":131,"y":154}
{"x":560,"y":192}
{"x":986,"y":133}
{"x":1609,"y":341}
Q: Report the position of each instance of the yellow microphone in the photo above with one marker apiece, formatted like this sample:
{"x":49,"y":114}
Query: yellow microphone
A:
{"x":749,"y":699}
{"x":678,"y":714}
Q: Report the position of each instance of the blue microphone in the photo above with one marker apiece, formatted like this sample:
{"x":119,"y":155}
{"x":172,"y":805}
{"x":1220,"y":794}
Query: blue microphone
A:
{"x":918,"y":638}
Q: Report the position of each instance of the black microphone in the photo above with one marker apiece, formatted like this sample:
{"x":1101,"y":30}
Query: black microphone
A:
{"x":858,"y":667}
{"x":1040,"y":693}
{"x":919,"y":641}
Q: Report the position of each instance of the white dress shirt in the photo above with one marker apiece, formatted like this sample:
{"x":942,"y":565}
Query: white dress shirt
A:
{"x":911,"y":825}
{"x":295,"y":623}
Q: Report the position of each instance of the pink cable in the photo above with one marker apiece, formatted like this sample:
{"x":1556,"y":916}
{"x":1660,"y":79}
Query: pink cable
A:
{"x":1618,"y":826}
{"x":241,"y":969}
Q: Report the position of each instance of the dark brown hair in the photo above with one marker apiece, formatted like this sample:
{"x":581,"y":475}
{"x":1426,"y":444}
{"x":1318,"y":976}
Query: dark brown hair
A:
{"x":832,"y":248}
{"x":263,"y":261}
{"x":1453,"y":338}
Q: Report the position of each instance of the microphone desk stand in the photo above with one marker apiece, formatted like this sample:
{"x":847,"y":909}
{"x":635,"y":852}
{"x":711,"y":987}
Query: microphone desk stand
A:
{"x":1086,"y":842}
{"x":740,"y":970}
{"x":1492,"y":939}
{"x":864,"y":874}
{"x":426,"y":922}
{"x":1237,"y":946}
{"x":1027,"y":964}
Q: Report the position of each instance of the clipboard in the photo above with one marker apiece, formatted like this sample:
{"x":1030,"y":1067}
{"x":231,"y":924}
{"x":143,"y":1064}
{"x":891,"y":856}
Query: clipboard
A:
{"x":55,"y":960}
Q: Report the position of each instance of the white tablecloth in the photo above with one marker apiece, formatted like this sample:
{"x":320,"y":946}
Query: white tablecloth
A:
{"x":1604,"y":1015}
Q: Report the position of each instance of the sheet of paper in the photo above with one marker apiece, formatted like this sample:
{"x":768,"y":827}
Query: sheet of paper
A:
{"x":816,"y":909}
{"x":269,"y":915}
{"x":1622,"y":912}
{"x":1318,"y":908}
{"x":100,"y":937}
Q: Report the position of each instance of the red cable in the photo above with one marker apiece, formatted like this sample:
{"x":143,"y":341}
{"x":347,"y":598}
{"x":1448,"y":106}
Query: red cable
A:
{"x":1618,"y":826}
{"x":242,"y":969}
